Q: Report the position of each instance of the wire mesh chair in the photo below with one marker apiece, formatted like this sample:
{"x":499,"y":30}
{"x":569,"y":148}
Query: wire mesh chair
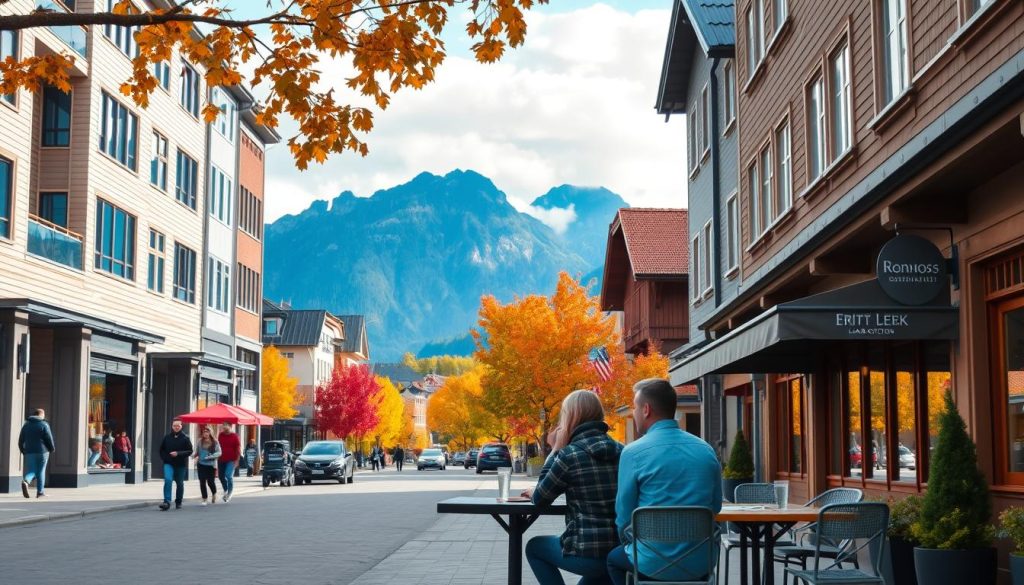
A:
{"x":654,"y":526}
{"x":805,"y":537}
{"x":745,"y":493}
{"x":854,"y":522}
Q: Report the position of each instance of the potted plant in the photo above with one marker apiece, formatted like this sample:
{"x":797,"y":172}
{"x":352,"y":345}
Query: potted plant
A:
{"x":533,"y":466}
{"x":1011,"y":523}
{"x":739,"y":469}
{"x":953,"y":529}
{"x":902,"y":516}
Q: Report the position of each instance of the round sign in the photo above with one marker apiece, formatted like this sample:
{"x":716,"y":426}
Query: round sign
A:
{"x":911,"y":270}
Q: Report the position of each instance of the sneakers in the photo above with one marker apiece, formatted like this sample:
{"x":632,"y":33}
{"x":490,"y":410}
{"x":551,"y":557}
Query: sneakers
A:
{"x":204,"y":503}
{"x":227,"y":497}
{"x":24,"y":488}
{"x":165,"y":505}
{"x":213,"y":499}
{"x":40,"y":495}
{"x":177,"y":505}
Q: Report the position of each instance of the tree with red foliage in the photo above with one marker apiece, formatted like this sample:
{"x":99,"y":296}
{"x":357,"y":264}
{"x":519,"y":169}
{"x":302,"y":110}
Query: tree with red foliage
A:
{"x":344,"y":405}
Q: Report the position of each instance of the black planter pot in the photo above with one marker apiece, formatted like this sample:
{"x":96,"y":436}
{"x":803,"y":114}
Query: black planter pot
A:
{"x":729,"y":487}
{"x":901,"y":552}
{"x":1017,"y":569}
{"x":955,"y":567}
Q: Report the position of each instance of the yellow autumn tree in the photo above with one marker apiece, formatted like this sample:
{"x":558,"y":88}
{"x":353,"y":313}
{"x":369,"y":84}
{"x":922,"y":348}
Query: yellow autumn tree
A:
{"x":535,"y":350}
{"x":283,"y":48}
{"x":390,"y":408}
{"x":457,"y":410}
{"x":278,"y":397}
{"x":444,"y":365}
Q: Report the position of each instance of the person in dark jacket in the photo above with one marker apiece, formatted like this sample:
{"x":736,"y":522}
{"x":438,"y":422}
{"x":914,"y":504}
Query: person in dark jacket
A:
{"x":583,"y":466}
{"x":174,"y":451}
{"x":36,"y":443}
{"x":399,"y":455}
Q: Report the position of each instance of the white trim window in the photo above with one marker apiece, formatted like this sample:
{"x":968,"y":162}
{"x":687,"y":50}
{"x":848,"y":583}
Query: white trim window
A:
{"x":158,"y":162}
{"x":692,"y":124}
{"x":754,"y":184}
{"x":225,"y":123}
{"x":705,"y":121}
{"x":780,"y":12}
{"x":9,"y":40}
{"x":815,"y":128}
{"x":189,"y":90}
{"x":218,"y":285}
{"x":732,"y":248}
{"x":783,"y":170}
{"x":839,"y":86}
{"x":764,"y":204}
{"x":755,"y":36}
{"x":697,"y":268}
{"x":728,"y":93}
{"x":221,"y":197}
{"x":896,"y":76}
{"x":709,"y":259}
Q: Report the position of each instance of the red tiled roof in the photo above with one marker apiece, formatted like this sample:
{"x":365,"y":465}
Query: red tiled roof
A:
{"x":656,"y":240}
{"x":686,"y":390}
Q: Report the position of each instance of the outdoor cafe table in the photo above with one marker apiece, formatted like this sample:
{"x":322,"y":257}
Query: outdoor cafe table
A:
{"x":760,"y":526}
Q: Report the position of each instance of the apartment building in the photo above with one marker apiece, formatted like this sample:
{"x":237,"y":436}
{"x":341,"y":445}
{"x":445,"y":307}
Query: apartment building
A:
{"x":876,"y":138}
{"x":103,"y":234}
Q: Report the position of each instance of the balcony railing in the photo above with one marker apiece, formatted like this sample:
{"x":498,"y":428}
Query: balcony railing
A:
{"x":72,"y":36}
{"x":55,"y":243}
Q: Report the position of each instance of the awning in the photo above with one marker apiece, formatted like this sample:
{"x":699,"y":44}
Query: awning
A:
{"x":46,"y":314}
{"x":789,"y":337}
{"x":206,"y":358}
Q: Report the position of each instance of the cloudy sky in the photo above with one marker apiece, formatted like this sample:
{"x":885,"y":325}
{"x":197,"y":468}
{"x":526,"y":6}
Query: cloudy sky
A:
{"x":574,"y":105}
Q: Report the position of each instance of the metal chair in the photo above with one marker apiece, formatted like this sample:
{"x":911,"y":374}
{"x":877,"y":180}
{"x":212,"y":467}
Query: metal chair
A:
{"x":852,"y":522}
{"x":658,"y":525}
{"x":799,"y":552}
{"x":746,"y":493}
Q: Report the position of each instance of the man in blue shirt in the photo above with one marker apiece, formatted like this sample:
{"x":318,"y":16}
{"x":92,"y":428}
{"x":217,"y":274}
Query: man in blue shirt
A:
{"x":666,"y":466}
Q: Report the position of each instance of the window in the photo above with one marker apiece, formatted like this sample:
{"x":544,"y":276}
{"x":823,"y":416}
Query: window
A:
{"x":119,"y":132}
{"x":249,"y":379}
{"x":186,"y":180}
{"x":155,"y":270}
{"x":6,"y":195}
{"x":1008,"y":383}
{"x":754,"y":184}
{"x":184,"y":274}
{"x":783,"y":170}
{"x":732,"y":211}
{"x":162,"y":72}
{"x":790,"y":446}
{"x":705,"y":121}
{"x":53,"y":207}
{"x":815,"y":129}
{"x":250,"y":213}
{"x":218,"y":285}
{"x":973,"y":6}
{"x":225,"y":123}
{"x":729,"y":93}
{"x":122,"y":36}
{"x":693,"y":120}
{"x":270,"y":326}
{"x":220,"y":197}
{"x":697,"y":269}
{"x":115,"y":240}
{"x":158,"y":162}
{"x":780,"y":11}
{"x":190,"y":90}
{"x":707,"y":259}
{"x":840,"y":111}
{"x":755,"y":36}
{"x":9,"y":48}
{"x":248,"y":286}
{"x":56,"y":117}
{"x":895,"y":60}
{"x":764,"y":202}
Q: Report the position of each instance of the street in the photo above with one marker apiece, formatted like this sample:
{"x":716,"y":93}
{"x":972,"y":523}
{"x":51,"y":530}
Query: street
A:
{"x":321,"y":533}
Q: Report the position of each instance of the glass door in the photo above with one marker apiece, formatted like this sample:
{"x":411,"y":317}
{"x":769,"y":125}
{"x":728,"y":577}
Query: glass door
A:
{"x":1008,"y":382}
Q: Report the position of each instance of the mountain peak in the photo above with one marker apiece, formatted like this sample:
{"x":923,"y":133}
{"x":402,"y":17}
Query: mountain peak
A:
{"x":564,"y":196}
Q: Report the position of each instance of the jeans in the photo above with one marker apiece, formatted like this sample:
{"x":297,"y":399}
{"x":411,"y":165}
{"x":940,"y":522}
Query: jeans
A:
{"x":35,"y":468}
{"x":619,"y":564}
{"x":177,"y":475}
{"x":226,"y":470}
{"x":544,"y":553}
{"x":206,"y":473}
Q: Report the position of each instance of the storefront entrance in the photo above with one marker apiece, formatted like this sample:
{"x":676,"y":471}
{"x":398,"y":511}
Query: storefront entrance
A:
{"x":1006,"y":324}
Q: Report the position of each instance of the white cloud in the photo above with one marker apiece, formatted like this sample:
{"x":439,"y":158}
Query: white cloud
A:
{"x":556,"y":218}
{"x":574,"y":105}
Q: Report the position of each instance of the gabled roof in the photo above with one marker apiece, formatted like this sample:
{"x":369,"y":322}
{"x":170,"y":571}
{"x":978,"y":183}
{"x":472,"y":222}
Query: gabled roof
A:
{"x":707,"y":24}
{"x":298,"y":327}
{"x":355,"y":335}
{"x":644,"y":244}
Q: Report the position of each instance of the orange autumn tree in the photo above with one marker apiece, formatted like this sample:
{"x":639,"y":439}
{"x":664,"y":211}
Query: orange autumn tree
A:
{"x":450,"y":409}
{"x":278,"y":397}
{"x":618,"y":391}
{"x":535,"y":349}
{"x":283,"y":50}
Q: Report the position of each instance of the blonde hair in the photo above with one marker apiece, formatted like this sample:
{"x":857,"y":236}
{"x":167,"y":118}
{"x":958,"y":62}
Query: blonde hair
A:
{"x":213,"y":437}
{"x":579,"y":407}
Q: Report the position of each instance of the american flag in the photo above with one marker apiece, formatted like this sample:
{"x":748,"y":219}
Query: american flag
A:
{"x":601,"y":363}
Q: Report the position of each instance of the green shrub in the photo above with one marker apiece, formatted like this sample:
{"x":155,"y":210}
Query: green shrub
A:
{"x":537,"y":461}
{"x":902,"y":515}
{"x":957,"y":507}
{"x":1011,"y":523}
{"x":741,"y":463}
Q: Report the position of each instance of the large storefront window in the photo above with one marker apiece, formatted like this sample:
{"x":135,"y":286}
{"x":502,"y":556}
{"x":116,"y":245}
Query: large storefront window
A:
{"x":110,"y":414}
{"x":791,"y":425}
{"x":1009,"y":356}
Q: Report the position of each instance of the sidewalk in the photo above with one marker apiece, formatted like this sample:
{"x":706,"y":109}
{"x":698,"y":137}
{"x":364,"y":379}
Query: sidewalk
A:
{"x":63,"y":503}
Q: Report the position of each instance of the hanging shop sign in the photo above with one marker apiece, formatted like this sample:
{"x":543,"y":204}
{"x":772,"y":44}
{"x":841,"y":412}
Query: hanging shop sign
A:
{"x":911,"y":270}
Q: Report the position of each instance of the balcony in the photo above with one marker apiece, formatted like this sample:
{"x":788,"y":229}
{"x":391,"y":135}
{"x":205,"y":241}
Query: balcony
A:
{"x":55,"y":243}
{"x":72,"y":36}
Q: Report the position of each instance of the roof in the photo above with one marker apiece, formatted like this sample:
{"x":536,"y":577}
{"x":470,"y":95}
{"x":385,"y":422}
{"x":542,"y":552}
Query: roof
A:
{"x":355,"y":335}
{"x":298,"y":327}
{"x":399,"y":374}
{"x":644,"y":244}
{"x":265,"y":133}
{"x":707,"y":24}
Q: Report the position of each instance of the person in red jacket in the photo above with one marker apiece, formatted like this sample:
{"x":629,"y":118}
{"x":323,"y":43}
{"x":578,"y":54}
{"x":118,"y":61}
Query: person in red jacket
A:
{"x":231,"y":451}
{"x":123,"y":450}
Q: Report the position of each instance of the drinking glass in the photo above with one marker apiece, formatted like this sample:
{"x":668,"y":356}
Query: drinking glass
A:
{"x":504,"y":479}
{"x":782,"y":493}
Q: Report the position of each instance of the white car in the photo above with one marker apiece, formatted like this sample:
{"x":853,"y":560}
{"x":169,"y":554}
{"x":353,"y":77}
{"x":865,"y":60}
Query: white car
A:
{"x":431,"y":458}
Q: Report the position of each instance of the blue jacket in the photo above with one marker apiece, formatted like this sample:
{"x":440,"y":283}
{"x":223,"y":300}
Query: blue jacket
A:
{"x":35,"y":436}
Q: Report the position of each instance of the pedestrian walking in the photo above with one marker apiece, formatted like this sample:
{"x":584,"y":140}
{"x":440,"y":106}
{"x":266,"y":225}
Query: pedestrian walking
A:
{"x":399,"y":457}
{"x":123,"y":450}
{"x":208,"y":454}
{"x":251,"y":454}
{"x":375,"y":457}
{"x":36,"y":443}
{"x":231,"y":452}
{"x":175,"y":449}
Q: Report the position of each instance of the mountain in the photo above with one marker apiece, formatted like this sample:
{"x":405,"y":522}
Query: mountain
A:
{"x":594,"y":208}
{"x":415,"y":259}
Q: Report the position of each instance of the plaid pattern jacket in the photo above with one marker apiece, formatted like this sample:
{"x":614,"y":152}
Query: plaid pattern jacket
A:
{"x":586,"y":471}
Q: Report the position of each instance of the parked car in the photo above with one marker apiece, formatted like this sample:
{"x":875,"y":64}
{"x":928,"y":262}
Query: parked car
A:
{"x":856,"y":456}
{"x":325,"y":460}
{"x":444,"y":449}
{"x":907,"y":458}
{"x":471,"y":456}
{"x":493,"y":456}
{"x":459,"y":458}
{"x":431,"y":458}
{"x":277,"y":463}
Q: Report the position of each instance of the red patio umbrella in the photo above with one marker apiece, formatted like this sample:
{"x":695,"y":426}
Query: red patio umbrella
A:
{"x":227,"y":413}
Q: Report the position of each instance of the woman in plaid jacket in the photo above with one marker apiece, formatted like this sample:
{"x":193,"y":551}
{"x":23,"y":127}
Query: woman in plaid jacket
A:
{"x":584,"y":466}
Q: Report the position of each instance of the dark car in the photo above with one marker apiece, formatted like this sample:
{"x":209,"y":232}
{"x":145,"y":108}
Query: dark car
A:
{"x":325,"y":460}
{"x":277,"y":463}
{"x":471,"y":458}
{"x":493,"y":456}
